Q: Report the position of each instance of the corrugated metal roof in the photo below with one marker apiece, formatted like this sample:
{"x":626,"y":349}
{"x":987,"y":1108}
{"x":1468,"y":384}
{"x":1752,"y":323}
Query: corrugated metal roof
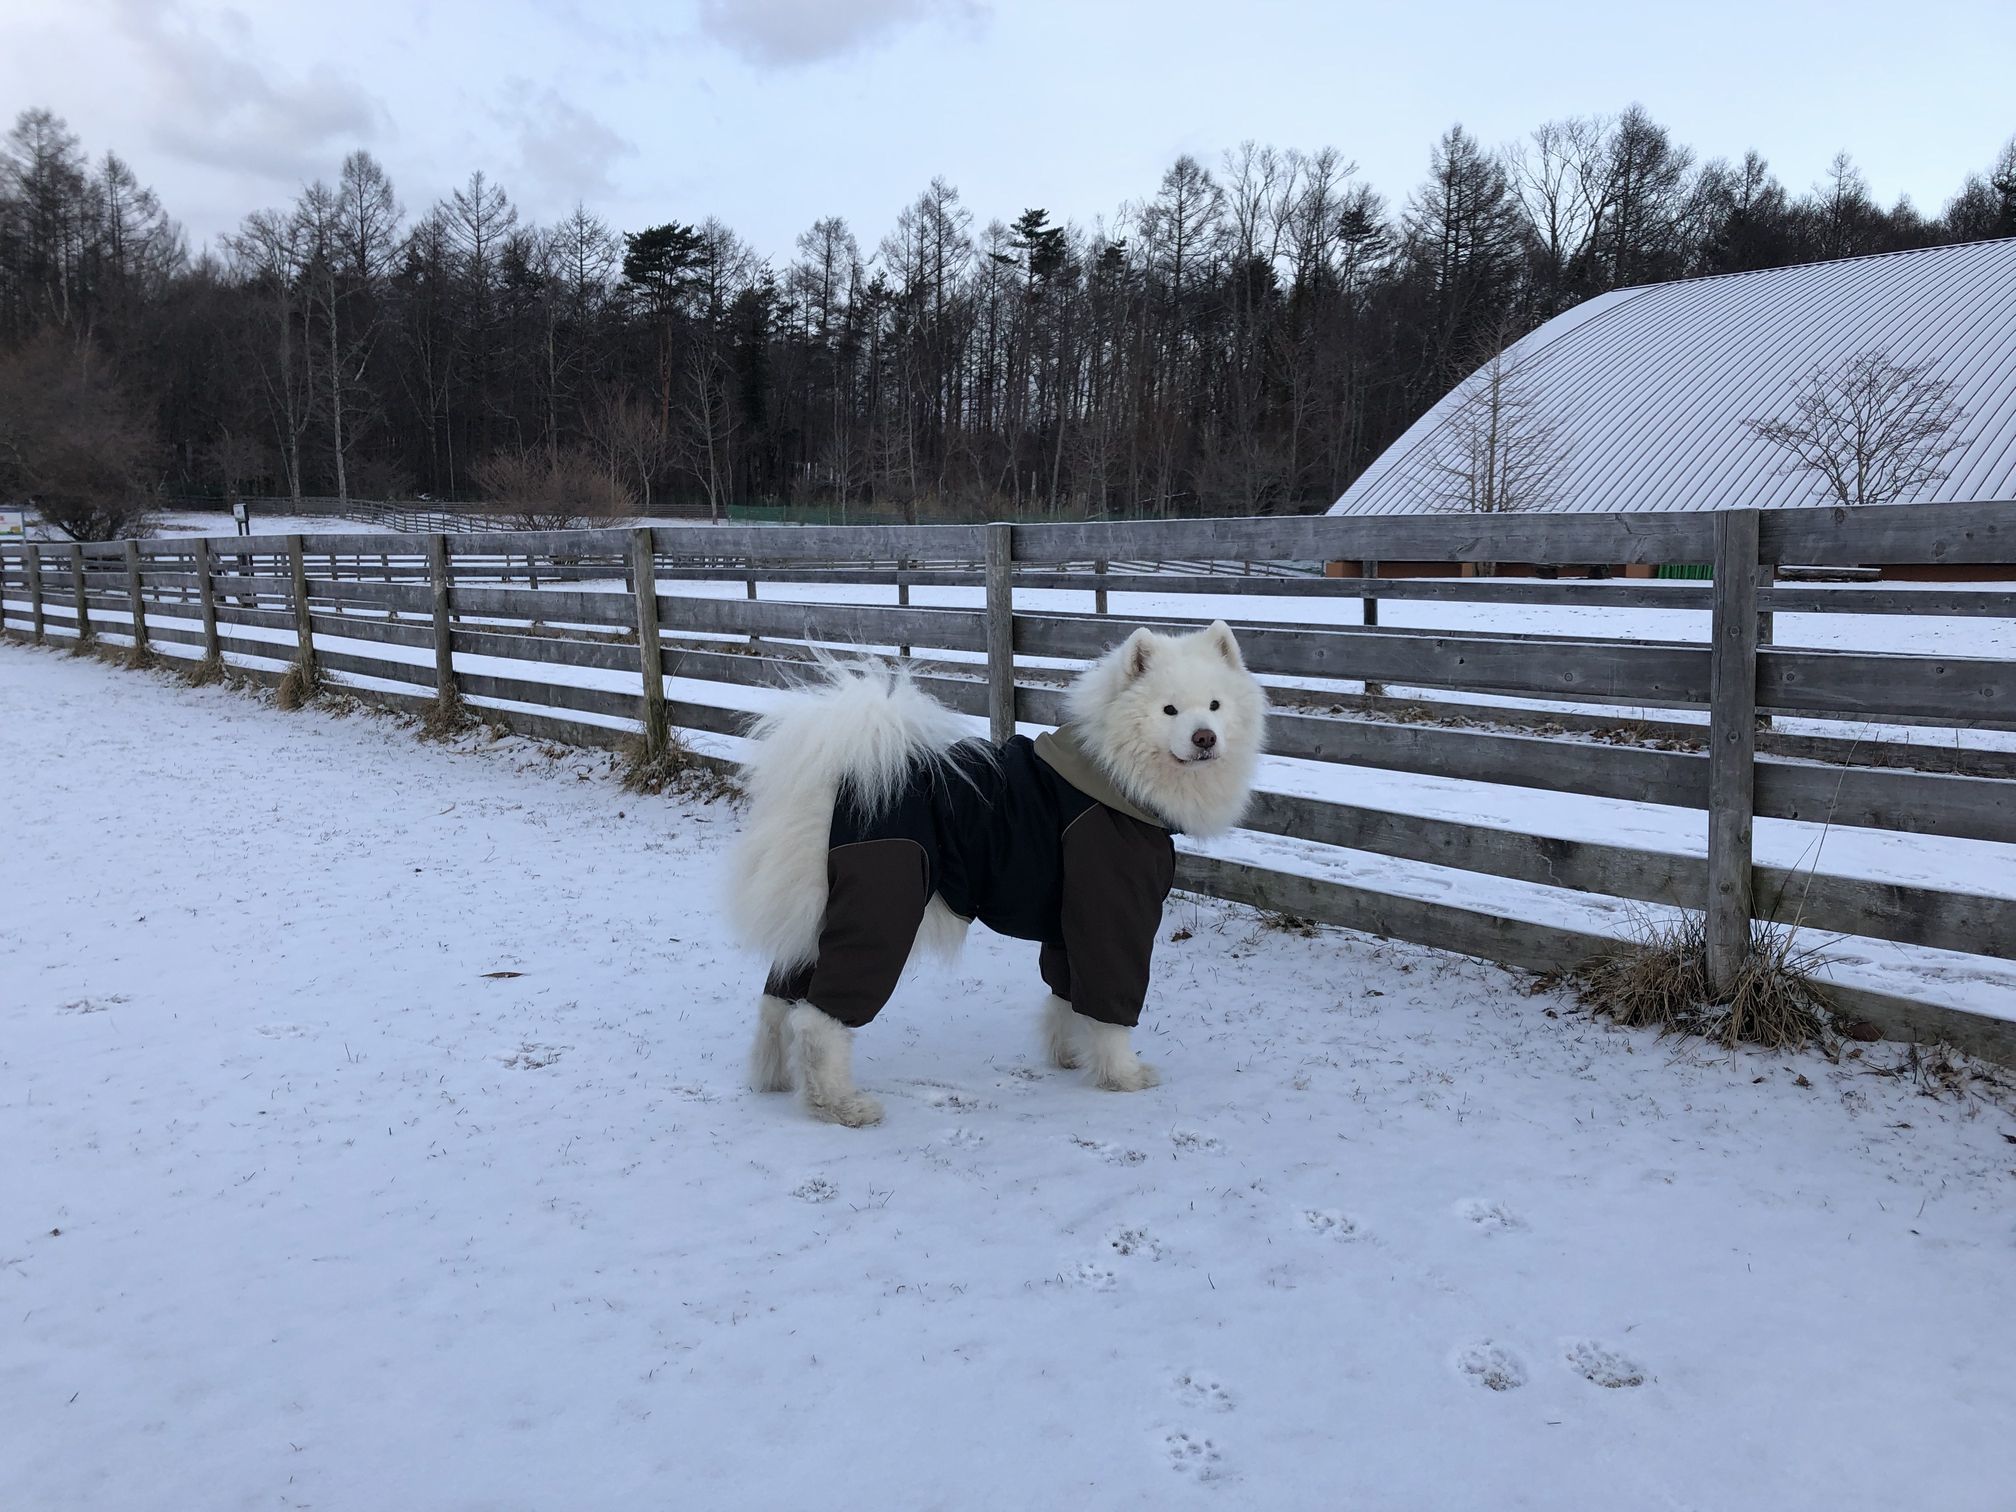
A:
{"x":1650,"y":387}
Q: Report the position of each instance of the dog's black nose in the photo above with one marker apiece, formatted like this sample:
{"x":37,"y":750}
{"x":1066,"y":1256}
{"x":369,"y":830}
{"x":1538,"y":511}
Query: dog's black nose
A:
{"x":1204,"y":739}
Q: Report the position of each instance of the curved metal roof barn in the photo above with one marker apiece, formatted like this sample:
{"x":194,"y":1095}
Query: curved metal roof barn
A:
{"x":1650,"y":387}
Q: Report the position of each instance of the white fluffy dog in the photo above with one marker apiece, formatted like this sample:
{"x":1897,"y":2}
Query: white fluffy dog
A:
{"x":876,"y":824}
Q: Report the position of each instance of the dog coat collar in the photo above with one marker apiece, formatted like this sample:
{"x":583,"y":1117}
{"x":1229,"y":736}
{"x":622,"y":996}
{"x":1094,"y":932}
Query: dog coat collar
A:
{"x":1064,"y":753}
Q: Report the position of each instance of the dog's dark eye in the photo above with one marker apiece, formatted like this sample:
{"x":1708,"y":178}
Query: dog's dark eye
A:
{"x":1214,"y":706}
{"x":1169,"y":709}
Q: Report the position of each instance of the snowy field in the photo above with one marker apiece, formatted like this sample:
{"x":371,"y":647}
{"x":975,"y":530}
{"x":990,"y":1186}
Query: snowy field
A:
{"x":309,"y":1205}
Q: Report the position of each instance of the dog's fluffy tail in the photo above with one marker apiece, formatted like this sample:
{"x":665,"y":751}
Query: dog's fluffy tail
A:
{"x":860,"y":731}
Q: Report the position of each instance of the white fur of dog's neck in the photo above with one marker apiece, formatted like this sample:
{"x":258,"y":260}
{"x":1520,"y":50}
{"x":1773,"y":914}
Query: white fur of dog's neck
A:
{"x":1115,"y":704}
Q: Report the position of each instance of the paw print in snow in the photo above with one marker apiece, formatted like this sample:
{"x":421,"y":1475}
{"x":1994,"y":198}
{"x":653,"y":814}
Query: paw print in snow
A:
{"x":815,"y":1189}
{"x":1202,"y":1391}
{"x":1492,"y":1365}
{"x":1195,"y":1139}
{"x":1111,"y":1154}
{"x":1330,"y":1224}
{"x":1135,"y":1242}
{"x":1092,"y":1276}
{"x":954,"y":1102}
{"x":963,"y":1139}
{"x":1192,"y":1455}
{"x":1490,"y":1217}
{"x":1603,"y":1365}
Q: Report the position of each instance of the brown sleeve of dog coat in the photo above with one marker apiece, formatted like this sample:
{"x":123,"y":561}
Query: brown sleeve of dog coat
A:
{"x":1117,"y":873}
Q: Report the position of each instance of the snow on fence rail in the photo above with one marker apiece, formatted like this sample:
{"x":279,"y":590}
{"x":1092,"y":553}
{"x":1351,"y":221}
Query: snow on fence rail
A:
{"x":414,"y":617}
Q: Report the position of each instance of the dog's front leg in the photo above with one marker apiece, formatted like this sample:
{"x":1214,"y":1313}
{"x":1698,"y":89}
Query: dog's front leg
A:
{"x":826,"y":1057}
{"x":1114,"y":1063}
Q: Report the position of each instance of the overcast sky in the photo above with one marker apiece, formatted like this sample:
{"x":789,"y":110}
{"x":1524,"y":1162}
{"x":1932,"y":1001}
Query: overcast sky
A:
{"x":771,"y":113}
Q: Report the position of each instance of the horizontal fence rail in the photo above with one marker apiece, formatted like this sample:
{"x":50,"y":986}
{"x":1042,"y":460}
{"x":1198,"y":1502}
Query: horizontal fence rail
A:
{"x":600,"y":636}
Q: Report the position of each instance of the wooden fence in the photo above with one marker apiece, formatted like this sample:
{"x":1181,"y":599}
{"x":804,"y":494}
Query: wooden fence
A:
{"x":408,"y":618}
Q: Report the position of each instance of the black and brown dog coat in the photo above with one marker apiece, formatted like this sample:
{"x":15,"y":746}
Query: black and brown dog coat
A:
{"x":1029,"y":837}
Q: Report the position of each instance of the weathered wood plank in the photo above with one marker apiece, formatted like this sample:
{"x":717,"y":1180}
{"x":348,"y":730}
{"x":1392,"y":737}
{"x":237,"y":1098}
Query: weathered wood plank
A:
{"x":837,"y":624}
{"x":136,"y":597}
{"x":1963,"y":690}
{"x":650,"y":662}
{"x":611,"y":656}
{"x":1441,"y":926}
{"x":443,"y":629}
{"x":1942,"y":919}
{"x":1969,"y":533}
{"x":1914,"y":803}
{"x":304,"y":620}
{"x":36,"y":607}
{"x":81,"y":593}
{"x":417,"y":598}
{"x":558,"y":606}
{"x":1000,"y":632}
{"x":1584,"y":670}
{"x":1567,"y":538}
{"x":1732,"y":735}
{"x":1944,"y":602}
{"x":1618,"y":871}
{"x":811,"y":543}
{"x":384,"y":632}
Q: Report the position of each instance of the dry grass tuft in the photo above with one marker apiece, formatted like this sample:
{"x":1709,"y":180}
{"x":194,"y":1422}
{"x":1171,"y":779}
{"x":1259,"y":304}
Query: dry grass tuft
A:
{"x":677,"y":769}
{"x":447,"y":717}
{"x":139,"y":657}
{"x":200,"y":674}
{"x":1286,"y":923}
{"x":1661,"y":982}
{"x":297,"y":688}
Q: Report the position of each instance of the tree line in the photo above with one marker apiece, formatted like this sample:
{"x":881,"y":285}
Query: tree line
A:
{"x":1245,"y":339}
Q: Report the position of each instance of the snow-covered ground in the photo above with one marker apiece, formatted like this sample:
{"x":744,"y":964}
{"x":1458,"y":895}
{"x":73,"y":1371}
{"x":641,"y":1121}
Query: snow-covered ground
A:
{"x":307,"y":1205}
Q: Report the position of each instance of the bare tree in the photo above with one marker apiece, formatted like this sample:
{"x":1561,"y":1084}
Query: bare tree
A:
{"x":1498,"y":451}
{"x":72,"y":441}
{"x":627,"y":434}
{"x":536,"y":492}
{"x":1873,"y":429}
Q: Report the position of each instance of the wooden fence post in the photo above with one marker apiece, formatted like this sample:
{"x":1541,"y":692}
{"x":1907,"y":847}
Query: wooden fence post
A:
{"x":1767,"y":627}
{"x":304,"y":624}
{"x":213,"y":648}
{"x":1000,"y":631}
{"x":650,"y":657}
{"x":1369,"y":569}
{"x":35,"y":606}
{"x":1732,"y":746}
{"x":1099,"y":593}
{"x":444,"y":631}
{"x":902,"y":593}
{"x":83,"y":606}
{"x":137,"y":603}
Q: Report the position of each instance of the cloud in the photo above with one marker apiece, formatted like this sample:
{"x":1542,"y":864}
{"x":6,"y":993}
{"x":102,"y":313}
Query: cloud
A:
{"x":220,"y":105}
{"x":565,"y":153}
{"x":788,"y":32}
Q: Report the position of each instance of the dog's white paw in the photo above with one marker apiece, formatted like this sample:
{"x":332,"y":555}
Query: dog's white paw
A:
{"x":1135,"y":1076}
{"x":856,"y":1110}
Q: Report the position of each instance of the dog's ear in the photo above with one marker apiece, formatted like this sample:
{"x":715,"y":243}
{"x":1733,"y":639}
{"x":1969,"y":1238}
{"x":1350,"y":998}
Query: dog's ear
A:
{"x":1136,"y":651}
{"x":1220,"y":635}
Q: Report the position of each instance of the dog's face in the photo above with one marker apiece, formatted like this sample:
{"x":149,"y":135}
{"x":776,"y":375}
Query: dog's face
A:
{"x":1178,"y":721}
{"x":1190,"y":694}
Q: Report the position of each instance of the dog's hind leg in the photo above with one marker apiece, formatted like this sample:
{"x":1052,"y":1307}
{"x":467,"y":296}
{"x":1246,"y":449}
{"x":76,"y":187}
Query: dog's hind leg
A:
{"x":770,"y":1055}
{"x":826,"y":1054}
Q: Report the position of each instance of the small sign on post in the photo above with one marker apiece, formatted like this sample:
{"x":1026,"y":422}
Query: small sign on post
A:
{"x":242,"y":517}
